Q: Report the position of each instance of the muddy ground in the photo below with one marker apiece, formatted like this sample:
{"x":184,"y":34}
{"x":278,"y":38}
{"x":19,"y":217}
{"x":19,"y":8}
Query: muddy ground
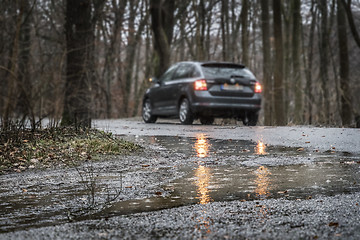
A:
{"x":195,"y":182}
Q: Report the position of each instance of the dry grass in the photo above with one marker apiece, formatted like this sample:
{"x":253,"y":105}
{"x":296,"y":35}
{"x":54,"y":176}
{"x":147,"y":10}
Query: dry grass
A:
{"x":22,"y":150}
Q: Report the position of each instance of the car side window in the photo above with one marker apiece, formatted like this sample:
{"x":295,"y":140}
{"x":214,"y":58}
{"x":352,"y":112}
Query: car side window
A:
{"x":195,"y":72}
{"x":168,"y":75}
{"x":184,"y":71}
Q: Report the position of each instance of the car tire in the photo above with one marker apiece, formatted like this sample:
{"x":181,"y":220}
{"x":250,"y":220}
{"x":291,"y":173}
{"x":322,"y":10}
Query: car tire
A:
{"x":207,"y":120}
{"x":146,"y":112}
{"x":251,"y":119}
{"x":185,"y":115}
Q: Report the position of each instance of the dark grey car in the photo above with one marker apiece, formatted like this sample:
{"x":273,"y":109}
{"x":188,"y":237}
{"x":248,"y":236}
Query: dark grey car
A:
{"x":204,"y":90}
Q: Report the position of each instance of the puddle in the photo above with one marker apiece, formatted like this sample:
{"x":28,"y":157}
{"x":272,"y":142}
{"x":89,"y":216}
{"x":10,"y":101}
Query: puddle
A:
{"x":212,"y":170}
{"x":327,"y":173}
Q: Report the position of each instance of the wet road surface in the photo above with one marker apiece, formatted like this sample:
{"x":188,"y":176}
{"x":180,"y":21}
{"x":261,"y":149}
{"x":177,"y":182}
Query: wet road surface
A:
{"x":196,"y":178}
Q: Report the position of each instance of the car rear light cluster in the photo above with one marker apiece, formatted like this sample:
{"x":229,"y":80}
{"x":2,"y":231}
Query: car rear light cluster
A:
{"x":257,"y":88}
{"x":200,"y":85}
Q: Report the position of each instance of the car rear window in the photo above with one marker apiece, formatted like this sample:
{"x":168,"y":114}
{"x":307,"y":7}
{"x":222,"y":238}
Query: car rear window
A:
{"x":226,"y":71}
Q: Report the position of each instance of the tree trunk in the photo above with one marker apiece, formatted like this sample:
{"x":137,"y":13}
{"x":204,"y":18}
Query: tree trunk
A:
{"x":12,"y":76}
{"x":324,"y":62}
{"x":79,"y":36}
{"x":296,"y":71}
{"x":286,"y":14}
{"x":162,"y":23}
{"x":225,"y":29}
{"x":346,"y":103}
{"x":351,"y":21}
{"x":278,"y":73}
{"x":267,"y":82}
{"x":309,"y":65}
{"x":245,"y":32}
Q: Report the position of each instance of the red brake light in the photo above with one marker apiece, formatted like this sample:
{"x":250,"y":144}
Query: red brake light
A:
{"x":200,"y":85}
{"x":258,"y":88}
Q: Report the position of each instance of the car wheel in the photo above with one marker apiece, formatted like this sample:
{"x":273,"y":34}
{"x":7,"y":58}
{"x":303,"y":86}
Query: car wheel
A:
{"x":251,"y":119}
{"x":185,"y":114}
{"x":206,"y":120}
{"x":146,"y":112}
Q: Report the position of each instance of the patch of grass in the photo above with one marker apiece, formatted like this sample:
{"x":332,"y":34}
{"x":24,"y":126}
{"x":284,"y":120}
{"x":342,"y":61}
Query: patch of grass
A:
{"x":21,"y":150}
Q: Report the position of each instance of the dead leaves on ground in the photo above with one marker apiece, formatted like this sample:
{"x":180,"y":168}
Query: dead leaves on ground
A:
{"x":24,"y":149}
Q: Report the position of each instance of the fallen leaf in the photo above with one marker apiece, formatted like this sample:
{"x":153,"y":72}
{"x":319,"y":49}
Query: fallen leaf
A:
{"x":333,"y":224}
{"x":145,"y":165}
{"x":128,"y":187}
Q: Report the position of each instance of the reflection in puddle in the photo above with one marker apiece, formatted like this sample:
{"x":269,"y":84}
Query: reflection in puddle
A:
{"x":262,"y":182}
{"x":260,"y":148}
{"x":202,"y":146}
{"x":203,"y":175}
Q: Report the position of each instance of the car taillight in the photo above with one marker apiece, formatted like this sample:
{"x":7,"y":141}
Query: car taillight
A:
{"x":257,"y":88}
{"x":200,"y":85}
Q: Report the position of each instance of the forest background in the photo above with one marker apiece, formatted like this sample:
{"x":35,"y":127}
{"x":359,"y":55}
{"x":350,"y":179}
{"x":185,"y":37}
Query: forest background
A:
{"x":73,"y":61}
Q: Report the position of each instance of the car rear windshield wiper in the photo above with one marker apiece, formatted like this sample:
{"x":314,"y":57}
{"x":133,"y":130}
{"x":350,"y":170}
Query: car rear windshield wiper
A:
{"x":236,"y":76}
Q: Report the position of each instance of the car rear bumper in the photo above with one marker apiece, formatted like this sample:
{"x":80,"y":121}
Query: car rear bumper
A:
{"x":202,"y":103}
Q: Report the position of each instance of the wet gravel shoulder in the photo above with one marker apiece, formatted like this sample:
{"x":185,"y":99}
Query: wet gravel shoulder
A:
{"x":336,"y":217}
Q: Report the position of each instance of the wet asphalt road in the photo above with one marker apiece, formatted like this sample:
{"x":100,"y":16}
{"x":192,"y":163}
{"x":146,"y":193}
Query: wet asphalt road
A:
{"x":199,"y":182}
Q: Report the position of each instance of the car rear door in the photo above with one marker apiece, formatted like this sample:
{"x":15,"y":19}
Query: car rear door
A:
{"x":172,"y":88}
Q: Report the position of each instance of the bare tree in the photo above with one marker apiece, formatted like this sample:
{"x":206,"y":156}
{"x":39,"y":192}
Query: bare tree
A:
{"x":244,"y":32}
{"x":347,"y":6}
{"x":324,"y":63}
{"x":162,"y":23}
{"x":81,"y":17}
{"x":296,"y":68}
{"x":278,"y":66}
{"x":267,"y":73}
{"x":346,"y":102}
